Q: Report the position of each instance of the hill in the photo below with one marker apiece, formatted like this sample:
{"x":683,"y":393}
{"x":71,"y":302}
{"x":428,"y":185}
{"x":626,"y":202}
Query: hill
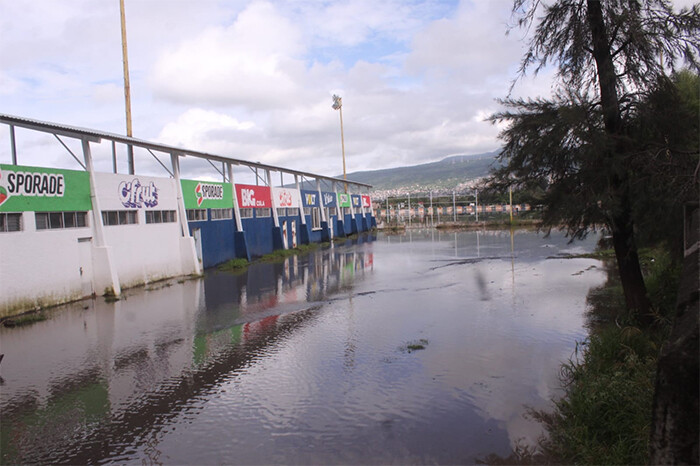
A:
{"x":447,"y":174}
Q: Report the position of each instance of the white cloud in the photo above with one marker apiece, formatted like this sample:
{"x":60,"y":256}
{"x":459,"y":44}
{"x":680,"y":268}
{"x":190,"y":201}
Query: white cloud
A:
{"x":253,"y":79}
{"x":249,"y":63}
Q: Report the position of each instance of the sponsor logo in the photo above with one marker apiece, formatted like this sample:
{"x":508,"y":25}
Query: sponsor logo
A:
{"x":285,"y":198}
{"x":248,"y":199}
{"x":328,"y":199}
{"x":31,"y":184}
{"x":310,"y":199}
{"x":205,"y":191}
{"x":133,"y":194}
{"x":344,"y":199}
{"x":356,"y":201}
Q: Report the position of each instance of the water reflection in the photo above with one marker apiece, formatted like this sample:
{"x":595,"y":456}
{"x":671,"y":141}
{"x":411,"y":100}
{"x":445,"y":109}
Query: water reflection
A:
{"x":305,"y":361}
{"x":90,"y":381}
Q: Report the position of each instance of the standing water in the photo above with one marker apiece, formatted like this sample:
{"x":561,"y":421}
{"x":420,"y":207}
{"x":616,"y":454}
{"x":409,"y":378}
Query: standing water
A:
{"x":427,"y":347}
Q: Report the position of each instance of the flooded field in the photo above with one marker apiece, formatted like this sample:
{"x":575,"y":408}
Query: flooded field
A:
{"x":426,"y":347}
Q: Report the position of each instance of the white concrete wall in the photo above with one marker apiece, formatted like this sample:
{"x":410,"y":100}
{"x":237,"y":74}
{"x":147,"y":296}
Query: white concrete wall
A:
{"x":141,"y":252}
{"x":40,"y":267}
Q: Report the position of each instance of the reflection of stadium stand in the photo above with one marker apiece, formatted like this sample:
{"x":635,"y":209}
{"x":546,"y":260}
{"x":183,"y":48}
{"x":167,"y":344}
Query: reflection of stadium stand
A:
{"x":89,"y":441}
{"x":85,"y":418}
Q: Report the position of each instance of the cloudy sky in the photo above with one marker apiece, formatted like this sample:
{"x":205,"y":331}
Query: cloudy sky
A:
{"x":254,"y":79}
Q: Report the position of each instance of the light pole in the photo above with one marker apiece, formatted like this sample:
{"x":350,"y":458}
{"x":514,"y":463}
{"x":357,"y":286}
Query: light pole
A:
{"x":338,"y":105}
{"x":127,"y":88}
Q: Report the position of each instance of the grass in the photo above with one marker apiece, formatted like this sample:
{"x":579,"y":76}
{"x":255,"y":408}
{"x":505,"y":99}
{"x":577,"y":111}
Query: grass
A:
{"x":415,"y":345}
{"x":279,"y":255}
{"x":25,"y":319}
{"x":605,"y":415}
{"x":234,"y":265}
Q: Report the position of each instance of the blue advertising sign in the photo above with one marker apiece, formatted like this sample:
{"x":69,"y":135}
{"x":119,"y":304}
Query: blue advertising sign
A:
{"x":309,"y":198}
{"x":356,"y":200}
{"x":329,"y":199}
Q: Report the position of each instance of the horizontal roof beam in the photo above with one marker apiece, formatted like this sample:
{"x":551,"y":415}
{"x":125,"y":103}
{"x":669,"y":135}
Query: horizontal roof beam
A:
{"x":97,"y":136}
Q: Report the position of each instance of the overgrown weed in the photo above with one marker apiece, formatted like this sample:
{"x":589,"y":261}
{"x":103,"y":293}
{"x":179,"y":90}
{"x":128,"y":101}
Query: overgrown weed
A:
{"x":605,"y":414}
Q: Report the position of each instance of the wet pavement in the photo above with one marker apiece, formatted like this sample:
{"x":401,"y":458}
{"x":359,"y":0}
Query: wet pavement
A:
{"x":426,"y":347}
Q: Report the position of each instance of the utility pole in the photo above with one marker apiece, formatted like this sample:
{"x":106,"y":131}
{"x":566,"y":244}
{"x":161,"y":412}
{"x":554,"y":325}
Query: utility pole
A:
{"x":409,"y":209}
{"x":454,"y":208}
{"x":432,"y":220}
{"x":127,"y":89}
{"x":510,"y":193}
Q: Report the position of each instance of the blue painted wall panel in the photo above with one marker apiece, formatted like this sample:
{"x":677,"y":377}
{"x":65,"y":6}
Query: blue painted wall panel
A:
{"x":258,"y":233}
{"x":218,"y":243}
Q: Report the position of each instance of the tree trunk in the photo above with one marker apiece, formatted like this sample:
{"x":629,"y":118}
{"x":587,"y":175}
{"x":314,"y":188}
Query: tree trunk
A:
{"x":621,"y":210}
{"x":629,"y":269}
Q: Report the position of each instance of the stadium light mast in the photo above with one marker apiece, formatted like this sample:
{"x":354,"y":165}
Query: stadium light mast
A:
{"x":127,"y":89}
{"x":338,"y":105}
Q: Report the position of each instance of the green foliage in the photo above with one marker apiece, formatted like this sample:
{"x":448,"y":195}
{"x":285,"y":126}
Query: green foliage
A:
{"x":665,"y":134}
{"x":605,"y":414}
{"x":234,"y":265}
{"x":25,"y":319}
{"x":588,"y":148}
{"x":280,"y":255}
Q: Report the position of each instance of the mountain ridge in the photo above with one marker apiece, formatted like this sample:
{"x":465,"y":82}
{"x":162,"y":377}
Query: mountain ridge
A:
{"x":450,"y":173}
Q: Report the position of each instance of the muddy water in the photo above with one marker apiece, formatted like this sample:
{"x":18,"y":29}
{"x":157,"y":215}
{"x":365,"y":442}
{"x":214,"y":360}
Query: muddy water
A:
{"x":420,"y":348}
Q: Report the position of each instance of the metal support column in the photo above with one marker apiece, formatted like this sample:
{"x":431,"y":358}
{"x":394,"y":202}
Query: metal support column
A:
{"x":236,"y":209}
{"x":13,"y":145}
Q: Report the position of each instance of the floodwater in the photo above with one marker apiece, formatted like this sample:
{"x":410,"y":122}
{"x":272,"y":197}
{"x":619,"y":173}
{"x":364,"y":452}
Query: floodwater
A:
{"x":427,"y":347}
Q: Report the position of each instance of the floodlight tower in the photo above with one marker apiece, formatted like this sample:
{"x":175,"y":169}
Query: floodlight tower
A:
{"x":338,"y":105}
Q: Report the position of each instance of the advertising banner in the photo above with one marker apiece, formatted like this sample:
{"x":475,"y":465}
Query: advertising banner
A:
{"x":206,"y":194}
{"x":250,"y":196}
{"x":121,"y":191}
{"x":356,"y":200}
{"x":329,"y":199}
{"x":366,"y":202}
{"x":285,"y":197}
{"x":43,"y":189}
{"x":310,"y":198}
{"x":343,"y":200}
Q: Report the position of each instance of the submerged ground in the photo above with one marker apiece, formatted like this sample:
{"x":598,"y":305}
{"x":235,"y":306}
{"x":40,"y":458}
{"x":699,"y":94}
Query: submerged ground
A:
{"x":424,"y":347}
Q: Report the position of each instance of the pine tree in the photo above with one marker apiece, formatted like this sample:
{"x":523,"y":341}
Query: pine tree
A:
{"x":610,"y":55}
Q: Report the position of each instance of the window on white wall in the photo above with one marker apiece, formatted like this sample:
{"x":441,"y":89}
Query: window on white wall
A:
{"x":59,"y":220}
{"x":11,"y":221}
{"x":160,"y":216}
{"x":263,"y":212}
{"x":221,"y":214}
{"x":281,"y":212}
{"x":119,"y":217}
{"x":195,"y":215}
{"x":246,"y":213}
{"x":315,"y":218}
{"x":293,"y":211}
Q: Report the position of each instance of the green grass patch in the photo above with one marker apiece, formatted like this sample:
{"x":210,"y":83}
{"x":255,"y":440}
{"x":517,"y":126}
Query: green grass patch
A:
{"x":25,"y":319}
{"x":234,"y":265}
{"x":605,"y":415}
{"x":417,"y":345}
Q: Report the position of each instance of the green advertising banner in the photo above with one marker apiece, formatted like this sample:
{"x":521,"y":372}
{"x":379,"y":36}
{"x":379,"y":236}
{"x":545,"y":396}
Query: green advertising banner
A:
{"x":206,"y":194}
{"x":40,"y":189}
{"x":343,"y":200}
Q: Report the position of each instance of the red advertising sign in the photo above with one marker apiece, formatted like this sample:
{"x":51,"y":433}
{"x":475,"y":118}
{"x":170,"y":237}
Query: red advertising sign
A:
{"x":250,"y":196}
{"x":366,"y":202}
